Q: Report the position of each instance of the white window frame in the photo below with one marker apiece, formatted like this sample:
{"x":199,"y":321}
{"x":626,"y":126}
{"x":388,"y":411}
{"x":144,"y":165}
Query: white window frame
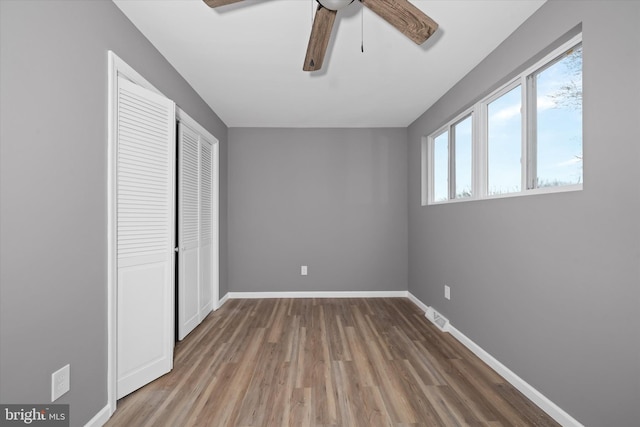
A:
{"x":428,"y":158}
{"x":483,"y":138}
{"x":479,"y":114}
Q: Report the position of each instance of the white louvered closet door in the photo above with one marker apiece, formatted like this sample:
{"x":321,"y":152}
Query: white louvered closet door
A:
{"x":197,"y":221}
{"x":206,"y":228}
{"x":145,"y":237}
{"x":188,"y":230}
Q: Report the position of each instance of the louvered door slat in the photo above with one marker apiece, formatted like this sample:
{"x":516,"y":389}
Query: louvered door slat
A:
{"x":189,"y":187}
{"x":143,"y":182}
{"x":206,"y":303}
{"x":205,"y":191}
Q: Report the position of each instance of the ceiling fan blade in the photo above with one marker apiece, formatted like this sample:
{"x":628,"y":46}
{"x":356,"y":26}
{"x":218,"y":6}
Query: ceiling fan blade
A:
{"x":216,"y":3}
{"x":319,"y":40}
{"x":407,"y":18}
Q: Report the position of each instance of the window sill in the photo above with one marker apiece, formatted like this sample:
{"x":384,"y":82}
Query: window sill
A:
{"x":534,"y":192}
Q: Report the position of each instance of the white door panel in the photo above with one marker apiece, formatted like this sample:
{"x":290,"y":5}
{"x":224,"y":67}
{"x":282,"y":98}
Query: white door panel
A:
{"x":188,"y":309}
{"x":206,"y":227}
{"x":141,"y":349}
{"x":206,"y":280}
{"x":197,"y":223}
{"x":144,"y":235}
{"x":188,"y":229}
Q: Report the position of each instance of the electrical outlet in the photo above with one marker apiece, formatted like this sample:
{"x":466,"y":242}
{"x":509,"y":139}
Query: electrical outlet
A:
{"x":447,"y":292}
{"x":303,"y":270}
{"x":60,"y":382}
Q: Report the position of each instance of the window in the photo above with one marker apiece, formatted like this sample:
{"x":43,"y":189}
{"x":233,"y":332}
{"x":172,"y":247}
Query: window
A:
{"x":462,"y":135}
{"x":504,"y":143}
{"x":441,"y":167}
{"x":452,"y":161}
{"x":524,"y":138}
{"x":557,"y":135}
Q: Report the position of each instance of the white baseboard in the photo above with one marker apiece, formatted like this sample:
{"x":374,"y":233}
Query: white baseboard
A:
{"x":319,"y":294}
{"x":544,"y":403}
{"x":424,"y":307}
{"x":100,"y":418}
{"x":221,"y":301}
{"x":554,"y":411}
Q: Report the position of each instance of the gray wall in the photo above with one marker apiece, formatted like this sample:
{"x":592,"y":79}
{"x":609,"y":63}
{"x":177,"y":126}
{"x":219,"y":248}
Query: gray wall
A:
{"x":332,"y":199}
{"x":550,"y":284}
{"x":53,"y":181}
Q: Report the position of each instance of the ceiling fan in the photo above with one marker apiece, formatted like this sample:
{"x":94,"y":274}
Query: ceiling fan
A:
{"x":401,"y":14}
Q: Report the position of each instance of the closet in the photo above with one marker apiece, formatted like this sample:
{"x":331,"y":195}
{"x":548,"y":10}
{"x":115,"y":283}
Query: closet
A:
{"x":162,"y":199}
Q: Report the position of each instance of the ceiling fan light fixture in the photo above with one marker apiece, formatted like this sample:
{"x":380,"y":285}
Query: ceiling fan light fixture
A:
{"x":335,"y":4}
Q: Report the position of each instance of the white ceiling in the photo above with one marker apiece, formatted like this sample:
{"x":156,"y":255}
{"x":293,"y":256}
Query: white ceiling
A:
{"x":245,"y":60}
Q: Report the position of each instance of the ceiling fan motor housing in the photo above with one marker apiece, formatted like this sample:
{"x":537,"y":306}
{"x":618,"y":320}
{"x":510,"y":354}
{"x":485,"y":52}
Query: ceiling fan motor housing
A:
{"x":335,"y":4}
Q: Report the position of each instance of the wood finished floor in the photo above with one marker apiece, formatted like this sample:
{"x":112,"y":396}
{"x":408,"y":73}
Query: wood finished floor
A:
{"x":325,"y":362}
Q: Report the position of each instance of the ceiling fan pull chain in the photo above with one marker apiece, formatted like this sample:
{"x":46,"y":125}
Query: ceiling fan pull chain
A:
{"x":361,"y":29}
